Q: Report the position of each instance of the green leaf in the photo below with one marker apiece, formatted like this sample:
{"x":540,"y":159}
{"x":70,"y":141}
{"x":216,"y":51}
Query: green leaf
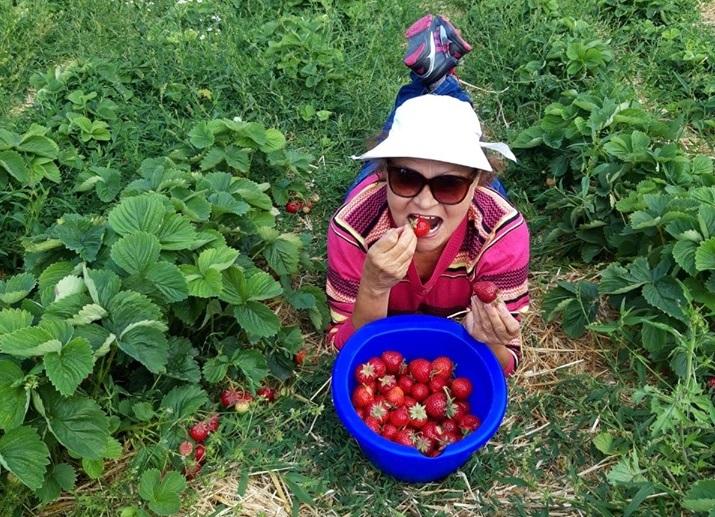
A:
{"x":684,"y":255}
{"x":29,"y":342}
{"x":136,"y":252}
{"x":168,"y":280}
{"x":109,"y":185}
{"x":184,"y":401}
{"x":701,"y":166}
{"x":129,"y":307}
{"x":15,"y":398}
{"x":144,"y":411}
{"x":23,"y":453}
{"x":206,"y":285}
{"x":93,"y":468}
{"x":68,"y":286}
{"x":13,"y":163}
{"x":67,"y":368}
{"x":80,"y":234}
{"x":701,"y":496}
{"x":103,"y":285}
{"x":666,"y":295}
{"x":252,"y":364}
{"x":257,"y":319}
{"x":238,"y":159}
{"x":705,"y":255}
{"x":60,"y":477}
{"x":177,"y":233}
{"x":162,"y":494}
{"x":212,"y":158}
{"x":143,"y":213}
{"x":283,"y":253}
{"x":644,"y":491}
{"x":49,"y":278}
{"x":181,"y":364}
{"x":79,"y":424}
{"x":604,"y":443}
{"x":262,"y":286}
{"x":88,"y":314}
{"x":234,"y":286}
{"x":39,"y":145}
{"x":275,"y":141}
{"x":14,"y":319}
{"x":251,"y":192}
{"x":216,"y":258}
{"x":201,"y":136}
{"x":215,"y":369}
{"x":16,"y":288}
{"x":147,"y":344}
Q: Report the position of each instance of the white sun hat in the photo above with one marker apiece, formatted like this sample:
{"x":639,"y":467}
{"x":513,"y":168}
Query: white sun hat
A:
{"x":437,"y":127}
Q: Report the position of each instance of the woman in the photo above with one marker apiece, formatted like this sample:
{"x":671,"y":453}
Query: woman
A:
{"x":430,"y":166}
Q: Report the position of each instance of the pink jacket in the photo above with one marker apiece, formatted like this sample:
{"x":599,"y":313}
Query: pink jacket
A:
{"x":491,"y":243}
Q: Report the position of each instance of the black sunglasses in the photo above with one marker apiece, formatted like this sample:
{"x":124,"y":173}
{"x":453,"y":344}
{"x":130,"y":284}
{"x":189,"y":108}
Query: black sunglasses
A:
{"x":448,"y":189}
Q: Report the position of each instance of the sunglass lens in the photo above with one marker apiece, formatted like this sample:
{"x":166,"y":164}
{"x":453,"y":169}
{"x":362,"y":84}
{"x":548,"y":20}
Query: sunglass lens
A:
{"x":449,"y":189}
{"x":405,"y":182}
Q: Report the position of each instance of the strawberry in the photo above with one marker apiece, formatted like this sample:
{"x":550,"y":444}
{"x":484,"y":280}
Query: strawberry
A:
{"x":432,"y":430}
{"x":378,"y":411}
{"x":395,"y":397}
{"x":361,"y":413}
{"x":300,"y":357}
{"x":191,"y":471}
{"x":409,"y":401}
{"x":213,"y":423}
{"x":400,"y":417}
{"x":442,"y":367}
{"x":362,"y":396}
{"x":267,"y":393}
{"x":711,"y":383}
{"x":486,"y":291}
{"x":393,"y":361}
{"x":292,"y":207}
{"x":461,"y":388}
{"x":437,"y":384}
{"x":420,"y":370}
{"x":449,"y":426}
{"x":461,"y":409}
{"x":373,"y":424}
{"x":186,"y":448}
{"x":365,"y":373}
{"x":388,"y":431}
{"x":228,"y":398}
{"x":243,"y":402}
{"x":439,"y":406}
{"x":199,"y":432}
{"x":419,"y":391}
{"x":199,"y":453}
{"x":451,"y":437}
{"x":424,"y":444}
{"x":418,"y":416}
{"x":405,"y":383}
{"x":421,"y":227}
{"x":469,"y":423}
{"x":379,"y":366}
{"x":386,"y":383}
{"x":404,"y":437}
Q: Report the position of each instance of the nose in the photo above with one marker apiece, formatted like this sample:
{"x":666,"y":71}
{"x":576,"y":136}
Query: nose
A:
{"x":424,"y":199}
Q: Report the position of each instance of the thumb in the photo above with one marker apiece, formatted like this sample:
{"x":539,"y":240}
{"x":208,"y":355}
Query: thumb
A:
{"x":388,"y":240}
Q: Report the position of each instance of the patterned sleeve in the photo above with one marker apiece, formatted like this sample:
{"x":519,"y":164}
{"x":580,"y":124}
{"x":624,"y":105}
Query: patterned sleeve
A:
{"x":345,"y":263}
{"x":506,"y":263}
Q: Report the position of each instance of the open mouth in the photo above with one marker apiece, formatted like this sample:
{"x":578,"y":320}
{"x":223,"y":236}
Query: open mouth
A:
{"x":434,"y":222}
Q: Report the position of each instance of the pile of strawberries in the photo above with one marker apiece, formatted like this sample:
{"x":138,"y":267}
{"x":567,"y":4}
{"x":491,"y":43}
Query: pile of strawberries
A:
{"x":417,"y":403}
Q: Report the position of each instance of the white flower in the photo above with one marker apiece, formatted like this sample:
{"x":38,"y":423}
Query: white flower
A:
{"x":237,"y":119}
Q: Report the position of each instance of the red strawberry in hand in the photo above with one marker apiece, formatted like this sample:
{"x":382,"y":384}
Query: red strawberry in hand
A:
{"x":486,"y":291}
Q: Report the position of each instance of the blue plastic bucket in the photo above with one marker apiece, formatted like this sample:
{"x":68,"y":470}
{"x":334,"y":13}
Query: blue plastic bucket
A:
{"x":429,"y":337}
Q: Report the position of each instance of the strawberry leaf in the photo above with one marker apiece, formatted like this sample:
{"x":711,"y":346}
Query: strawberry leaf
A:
{"x":146,"y":342}
{"x":23,"y":453}
{"x":705,"y":255}
{"x":78,"y":423}
{"x":58,"y":478}
{"x":181,"y":363}
{"x":16,"y":288}
{"x":29,"y":342}
{"x":176,"y":233}
{"x":283,"y":253}
{"x":252,"y":364}
{"x":666,"y":295}
{"x":168,"y":280}
{"x":201,"y":136}
{"x":80,"y":234}
{"x":136,"y":252}
{"x":202,"y":285}
{"x":162,"y":495}
{"x":67,"y":368}
{"x":15,"y":398}
{"x":13,"y":163}
{"x":184,"y":401}
{"x":701,"y":496}
{"x":14,"y":319}
{"x":143,"y":213}
{"x":216,"y":258}
{"x":256,"y":319}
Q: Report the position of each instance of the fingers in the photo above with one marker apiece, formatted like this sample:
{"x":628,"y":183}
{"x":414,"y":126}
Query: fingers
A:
{"x":511,"y":324}
{"x":493,"y":323}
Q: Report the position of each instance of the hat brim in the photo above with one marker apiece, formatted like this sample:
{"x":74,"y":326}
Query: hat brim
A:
{"x":472,"y":157}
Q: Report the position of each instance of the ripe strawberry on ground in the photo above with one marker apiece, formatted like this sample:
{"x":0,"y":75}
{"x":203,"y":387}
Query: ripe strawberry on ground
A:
{"x":362,"y":396}
{"x":461,"y":388}
{"x":486,"y":291}
{"x":186,"y":448}
{"x":421,"y":227}
{"x":419,"y":391}
{"x":300,"y":357}
{"x":420,"y":370}
{"x":442,"y":367}
{"x":191,"y":471}
{"x":267,"y":393}
{"x":439,"y":406}
{"x":292,"y":207}
{"x":199,"y":453}
{"x":395,"y":397}
{"x":229,"y":397}
{"x":199,"y":432}
{"x":365,"y":373}
{"x":213,"y":423}
{"x":393,"y":361}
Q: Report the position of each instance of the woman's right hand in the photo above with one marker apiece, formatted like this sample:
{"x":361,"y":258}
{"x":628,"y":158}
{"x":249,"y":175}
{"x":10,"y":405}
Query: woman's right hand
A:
{"x":387,"y":260}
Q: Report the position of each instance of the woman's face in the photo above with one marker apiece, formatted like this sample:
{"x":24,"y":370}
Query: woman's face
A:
{"x":443,"y":218}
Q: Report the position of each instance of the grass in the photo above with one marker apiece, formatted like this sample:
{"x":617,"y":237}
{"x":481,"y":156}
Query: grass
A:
{"x":171,"y":71}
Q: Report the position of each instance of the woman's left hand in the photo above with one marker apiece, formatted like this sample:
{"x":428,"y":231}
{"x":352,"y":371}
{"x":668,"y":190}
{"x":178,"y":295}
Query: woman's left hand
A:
{"x":491,"y":323}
